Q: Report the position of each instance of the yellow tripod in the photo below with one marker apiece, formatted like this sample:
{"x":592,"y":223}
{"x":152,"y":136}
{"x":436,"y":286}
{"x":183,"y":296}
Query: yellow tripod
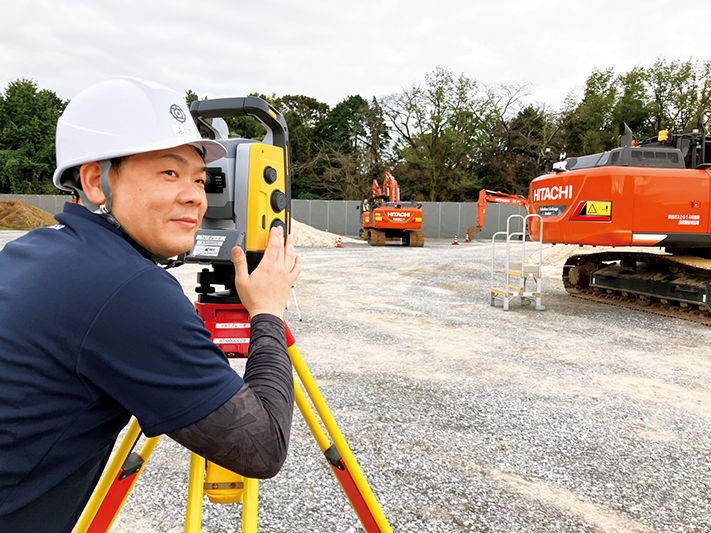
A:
{"x":124,"y":468}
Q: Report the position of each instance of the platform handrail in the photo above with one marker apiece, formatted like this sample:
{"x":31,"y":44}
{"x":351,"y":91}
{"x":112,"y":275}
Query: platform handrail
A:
{"x":507,"y":292}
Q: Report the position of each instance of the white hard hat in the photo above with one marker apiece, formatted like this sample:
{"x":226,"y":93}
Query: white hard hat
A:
{"x":120,"y":117}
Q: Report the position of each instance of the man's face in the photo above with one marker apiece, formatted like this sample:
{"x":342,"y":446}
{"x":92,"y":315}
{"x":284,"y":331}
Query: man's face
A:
{"x":159,"y":198}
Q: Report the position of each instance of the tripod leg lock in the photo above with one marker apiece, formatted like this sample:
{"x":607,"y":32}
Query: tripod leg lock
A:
{"x":333,"y":456}
{"x":131,"y":465}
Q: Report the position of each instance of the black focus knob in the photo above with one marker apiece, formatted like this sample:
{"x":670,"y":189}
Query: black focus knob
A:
{"x":270,"y":175}
{"x":276,"y":222}
{"x":278,"y":201}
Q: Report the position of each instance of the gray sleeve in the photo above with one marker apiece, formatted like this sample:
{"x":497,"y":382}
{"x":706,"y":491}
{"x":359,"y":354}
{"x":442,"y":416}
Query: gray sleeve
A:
{"x":249,"y":434}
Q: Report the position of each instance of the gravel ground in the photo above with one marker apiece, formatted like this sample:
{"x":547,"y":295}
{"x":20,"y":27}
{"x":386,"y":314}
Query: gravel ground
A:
{"x":580,"y":418}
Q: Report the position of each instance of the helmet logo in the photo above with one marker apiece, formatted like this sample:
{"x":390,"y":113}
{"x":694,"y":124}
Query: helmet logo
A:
{"x":177,"y":113}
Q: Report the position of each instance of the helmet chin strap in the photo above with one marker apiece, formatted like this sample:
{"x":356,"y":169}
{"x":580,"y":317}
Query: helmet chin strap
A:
{"x":105,"y":208}
{"x":105,"y":211}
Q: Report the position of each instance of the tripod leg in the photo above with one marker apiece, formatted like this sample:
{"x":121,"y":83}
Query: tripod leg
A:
{"x":343,"y":475}
{"x":310,"y":419}
{"x":193,"y":516}
{"x":249,"y":505}
{"x":116,"y":483}
{"x":343,"y":463}
{"x":109,"y":476}
{"x":296,"y":303}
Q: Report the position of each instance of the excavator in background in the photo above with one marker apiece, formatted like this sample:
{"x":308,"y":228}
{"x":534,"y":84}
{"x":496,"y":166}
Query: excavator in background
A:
{"x":655,"y":193}
{"x":386,"y":218}
{"x":486,"y":196}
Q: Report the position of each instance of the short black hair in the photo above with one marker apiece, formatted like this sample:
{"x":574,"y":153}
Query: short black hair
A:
{"x":116,"y":163}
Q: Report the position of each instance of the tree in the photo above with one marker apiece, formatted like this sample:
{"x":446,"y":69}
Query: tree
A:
{"x":28,"y":122}
{"x":302,"y":114}
{"x":438,"y":128}
{"x":351,"y":141}
{"x":633,"y":107}
{"x":589,"y":125}
{"x":446,"y":138}
{"x":675,"y":98}
{"x":518,"y":157}
{"x":510,"y":158}
{"x":190,"y":97}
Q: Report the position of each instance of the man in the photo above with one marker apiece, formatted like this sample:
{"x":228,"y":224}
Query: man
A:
{"x":93,"y":330}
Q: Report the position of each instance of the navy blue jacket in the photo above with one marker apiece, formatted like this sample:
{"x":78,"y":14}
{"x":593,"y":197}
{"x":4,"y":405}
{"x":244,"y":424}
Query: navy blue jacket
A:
{"x":90,"y":331}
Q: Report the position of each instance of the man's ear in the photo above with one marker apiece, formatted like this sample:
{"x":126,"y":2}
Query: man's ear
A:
{"x":90,"y":175}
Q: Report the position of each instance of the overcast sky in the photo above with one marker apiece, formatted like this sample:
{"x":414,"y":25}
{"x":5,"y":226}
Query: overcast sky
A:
{"x":331,"y":50}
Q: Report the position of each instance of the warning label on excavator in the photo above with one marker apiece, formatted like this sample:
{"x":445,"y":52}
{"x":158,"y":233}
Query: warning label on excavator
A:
{"x":593,"y":210}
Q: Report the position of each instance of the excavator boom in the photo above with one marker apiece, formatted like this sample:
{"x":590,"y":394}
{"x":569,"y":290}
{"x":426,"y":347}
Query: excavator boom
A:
{"x":486,"y":196}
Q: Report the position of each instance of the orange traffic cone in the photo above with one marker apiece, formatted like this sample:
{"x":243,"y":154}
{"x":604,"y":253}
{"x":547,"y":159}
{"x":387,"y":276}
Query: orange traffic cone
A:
{"x":456,"y":239}
{"x":339,"y":242}
{"x":467,"y":239}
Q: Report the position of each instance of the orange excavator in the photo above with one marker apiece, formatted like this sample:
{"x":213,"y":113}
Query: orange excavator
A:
{"x":486,"y":196}
{"x":653,"y":193}
{"x":386,"y":218}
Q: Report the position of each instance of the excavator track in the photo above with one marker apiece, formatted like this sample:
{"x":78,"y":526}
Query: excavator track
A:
{"x":662,"y":284}
{"x":416,"y":238}
{"x":376,"y":237}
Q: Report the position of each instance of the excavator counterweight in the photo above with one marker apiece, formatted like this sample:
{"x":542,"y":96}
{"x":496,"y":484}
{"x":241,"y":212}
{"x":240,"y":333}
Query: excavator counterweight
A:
{"x":654,"y":194}
{"x":386,"y":218}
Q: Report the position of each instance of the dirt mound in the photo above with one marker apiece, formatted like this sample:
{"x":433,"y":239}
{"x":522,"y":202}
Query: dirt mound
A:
{"x":16,"y":214}
{"x":305,"y":235}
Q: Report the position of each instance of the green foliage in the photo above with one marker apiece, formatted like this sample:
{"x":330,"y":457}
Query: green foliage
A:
{"x":444,"y":138}
{"x":666,"y":95}
{"x":438,"y":129}
{"x":517,"y":158}
{"x":302,"y":115}
{"x":190,"y":97}
{"x":589,"y":126}
{"x":28,"y":121}
{"x":675,"y":99}
{"x":351,"y":141}
{"x":633,"y":106}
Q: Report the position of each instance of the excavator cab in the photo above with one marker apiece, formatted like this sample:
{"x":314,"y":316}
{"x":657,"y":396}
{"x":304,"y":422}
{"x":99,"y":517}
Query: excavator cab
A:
{"x":694,"y":148}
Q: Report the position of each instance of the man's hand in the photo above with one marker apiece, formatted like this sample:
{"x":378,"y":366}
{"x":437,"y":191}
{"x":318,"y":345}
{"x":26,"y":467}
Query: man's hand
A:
{"x":266,"y":289}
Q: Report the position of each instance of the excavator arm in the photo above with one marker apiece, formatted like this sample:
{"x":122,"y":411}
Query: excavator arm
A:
{"x":486,"y":196}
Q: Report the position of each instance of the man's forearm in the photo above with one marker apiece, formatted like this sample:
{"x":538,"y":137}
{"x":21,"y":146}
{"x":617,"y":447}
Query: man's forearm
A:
{"x":249,"y":434}
{"x":268,"y":370}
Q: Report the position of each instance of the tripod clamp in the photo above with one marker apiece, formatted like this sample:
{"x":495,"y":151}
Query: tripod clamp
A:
{"x":221,"y":274}
{"x":333,"y":456}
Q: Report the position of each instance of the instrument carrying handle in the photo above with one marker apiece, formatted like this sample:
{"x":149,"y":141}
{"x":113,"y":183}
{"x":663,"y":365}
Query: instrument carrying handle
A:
{"x":252,"y":106}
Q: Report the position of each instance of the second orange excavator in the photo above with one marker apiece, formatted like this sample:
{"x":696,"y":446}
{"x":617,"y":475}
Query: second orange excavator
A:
{"x":386,"y":218}
{"x":498,"y":197}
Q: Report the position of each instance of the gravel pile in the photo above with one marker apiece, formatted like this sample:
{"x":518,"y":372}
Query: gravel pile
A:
{"x":580,"y":418}
{"x":305,"y":235}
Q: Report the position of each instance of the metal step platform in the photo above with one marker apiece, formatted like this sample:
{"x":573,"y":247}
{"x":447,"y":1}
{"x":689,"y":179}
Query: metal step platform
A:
{"x":522,"y":278}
